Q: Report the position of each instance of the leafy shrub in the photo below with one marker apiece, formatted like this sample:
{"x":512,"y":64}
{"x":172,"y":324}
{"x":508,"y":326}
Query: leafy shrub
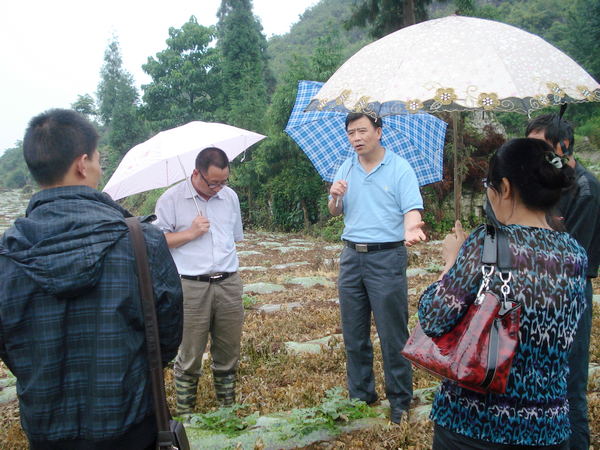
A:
{"x":332,"y":232}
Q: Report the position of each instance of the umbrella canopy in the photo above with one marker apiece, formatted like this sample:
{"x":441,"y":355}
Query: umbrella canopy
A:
{"x":165,"y":158}
{"x":322,"y":136}
{"x":456,"y":63}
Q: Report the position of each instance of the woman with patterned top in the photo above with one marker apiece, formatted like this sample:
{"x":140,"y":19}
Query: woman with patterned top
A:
{"x":524,"y":184}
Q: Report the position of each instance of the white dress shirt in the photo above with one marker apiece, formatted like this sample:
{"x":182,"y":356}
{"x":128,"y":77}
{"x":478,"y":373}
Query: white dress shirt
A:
{"x":213,"y":252}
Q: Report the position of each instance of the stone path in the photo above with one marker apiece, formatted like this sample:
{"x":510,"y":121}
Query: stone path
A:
{"x":12,"y":205}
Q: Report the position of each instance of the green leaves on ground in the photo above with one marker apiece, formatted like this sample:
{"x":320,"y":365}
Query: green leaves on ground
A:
{"x":224,"y":420}
{"x":336,"y":408}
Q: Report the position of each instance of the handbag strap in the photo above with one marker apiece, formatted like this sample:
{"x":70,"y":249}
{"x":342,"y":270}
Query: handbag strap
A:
{"x":495,"y":249}
{"x":165,"y":435}
{"x":495,"y":252}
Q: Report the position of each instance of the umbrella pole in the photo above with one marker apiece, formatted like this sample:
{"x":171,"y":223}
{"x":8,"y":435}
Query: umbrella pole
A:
{"x":188,"y":182}
{"x":456,"y":173}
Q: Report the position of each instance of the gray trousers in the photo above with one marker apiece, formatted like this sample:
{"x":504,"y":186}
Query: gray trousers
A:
{"x":375,"y":282}
{"x":210,"y":309}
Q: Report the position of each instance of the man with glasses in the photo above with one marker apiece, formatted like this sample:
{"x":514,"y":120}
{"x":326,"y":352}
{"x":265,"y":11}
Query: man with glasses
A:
{"x":201,"y":231}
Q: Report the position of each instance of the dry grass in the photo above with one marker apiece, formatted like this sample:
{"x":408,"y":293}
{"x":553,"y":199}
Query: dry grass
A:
{"x":272,"y":379}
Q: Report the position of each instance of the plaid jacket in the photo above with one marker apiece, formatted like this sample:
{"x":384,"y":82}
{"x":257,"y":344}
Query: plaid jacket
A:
{"x":71,"y":326}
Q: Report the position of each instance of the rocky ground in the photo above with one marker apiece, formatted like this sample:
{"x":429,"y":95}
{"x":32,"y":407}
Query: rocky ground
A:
{"x":292,"y":352}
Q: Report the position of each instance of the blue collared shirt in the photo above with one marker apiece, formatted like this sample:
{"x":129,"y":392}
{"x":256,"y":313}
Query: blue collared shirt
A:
{"x":375,"y":203}
{"x":214,"y":251}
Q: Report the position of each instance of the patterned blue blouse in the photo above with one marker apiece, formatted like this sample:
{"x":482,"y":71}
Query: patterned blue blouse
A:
{"x":549,"y":279}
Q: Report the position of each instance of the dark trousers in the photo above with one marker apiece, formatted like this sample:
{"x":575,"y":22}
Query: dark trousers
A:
{"x":579,"y":362}
{"x":139,"y":437}
{"x":375,"y":282}
{"x":444,"y":439}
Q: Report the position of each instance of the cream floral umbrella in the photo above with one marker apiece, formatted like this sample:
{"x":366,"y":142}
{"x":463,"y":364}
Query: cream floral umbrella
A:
{"x":456,"y":64}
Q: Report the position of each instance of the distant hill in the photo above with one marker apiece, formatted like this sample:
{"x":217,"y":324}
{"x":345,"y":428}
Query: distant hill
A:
{"x":317,"y":21}
{"x":13,"y":170}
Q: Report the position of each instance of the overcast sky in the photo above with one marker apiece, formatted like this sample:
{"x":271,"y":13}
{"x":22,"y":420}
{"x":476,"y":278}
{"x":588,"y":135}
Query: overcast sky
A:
{"x":52,"y":51}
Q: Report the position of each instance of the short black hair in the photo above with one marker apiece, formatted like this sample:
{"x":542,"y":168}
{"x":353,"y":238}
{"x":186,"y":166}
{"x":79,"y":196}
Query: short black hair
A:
{"x":556,"y":130}
{"x":53,"y":140}
{"x":377,"y":123}
{"x":211,"y":156}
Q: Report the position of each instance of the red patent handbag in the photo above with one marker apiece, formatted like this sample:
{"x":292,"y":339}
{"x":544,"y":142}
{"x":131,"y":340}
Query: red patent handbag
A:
{"x":478,"y":352}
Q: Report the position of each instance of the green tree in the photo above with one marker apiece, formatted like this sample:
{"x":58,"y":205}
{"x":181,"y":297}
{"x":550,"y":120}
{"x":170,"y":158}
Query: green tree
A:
{"x":242,"y":45}
{"x":382,"y":17}
{"x":327,"y":56}
{"x":113,"y":79}
{"x":287,"y":189}
{"x":185,"y":78}
{"x":316,"y":22}
{"x":118,"y":101}
{"x":126,"y":129}
{"x":584,"y":33}
{"x":85,"y":105}
{"x":13,"y":169}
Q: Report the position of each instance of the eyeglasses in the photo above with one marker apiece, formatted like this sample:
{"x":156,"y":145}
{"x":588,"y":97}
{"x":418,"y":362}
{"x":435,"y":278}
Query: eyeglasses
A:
{"x":212,"y":186}
{"x":486,"y":184}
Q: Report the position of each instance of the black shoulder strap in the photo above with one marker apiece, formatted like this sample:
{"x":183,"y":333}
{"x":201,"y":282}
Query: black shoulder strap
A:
{"x":490,"y":248}
{"x":495,"y":248}
{"x":504,"y":257}
{"x":165,"y":436}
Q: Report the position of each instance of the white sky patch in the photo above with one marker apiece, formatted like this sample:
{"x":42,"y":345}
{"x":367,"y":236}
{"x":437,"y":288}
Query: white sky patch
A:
{"x":51,"y":52}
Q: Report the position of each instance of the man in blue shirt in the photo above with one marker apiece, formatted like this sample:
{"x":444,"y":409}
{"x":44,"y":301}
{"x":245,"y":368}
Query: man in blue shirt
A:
{"x":71,"y":328}
{"x":378,"y":193}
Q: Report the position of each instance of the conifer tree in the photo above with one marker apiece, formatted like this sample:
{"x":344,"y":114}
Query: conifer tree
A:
{"x":382,"y":17}
{"x":114,"y":81}
{"x":242,"y":45}
{"x":118,"y":101}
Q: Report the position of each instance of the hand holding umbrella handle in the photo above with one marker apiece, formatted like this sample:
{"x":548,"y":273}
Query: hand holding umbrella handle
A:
{"x":189,"y":185}
{"x":338,"y":190}
{"x":340,"y":196}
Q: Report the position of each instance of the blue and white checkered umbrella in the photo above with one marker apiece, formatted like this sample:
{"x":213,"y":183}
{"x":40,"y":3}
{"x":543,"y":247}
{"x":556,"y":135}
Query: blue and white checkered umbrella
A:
{"x":418,"y":138}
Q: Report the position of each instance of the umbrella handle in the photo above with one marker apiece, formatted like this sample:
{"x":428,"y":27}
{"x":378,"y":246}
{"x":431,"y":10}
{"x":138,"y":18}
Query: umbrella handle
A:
{"x":347,"y":173}
{"x":188,"y":182}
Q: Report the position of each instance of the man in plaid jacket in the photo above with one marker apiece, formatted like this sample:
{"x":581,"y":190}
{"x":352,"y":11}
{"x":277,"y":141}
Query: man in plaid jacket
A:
{"x":71,"y":325}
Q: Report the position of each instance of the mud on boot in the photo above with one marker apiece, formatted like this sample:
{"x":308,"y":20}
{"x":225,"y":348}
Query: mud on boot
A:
{"x":224,"y":387}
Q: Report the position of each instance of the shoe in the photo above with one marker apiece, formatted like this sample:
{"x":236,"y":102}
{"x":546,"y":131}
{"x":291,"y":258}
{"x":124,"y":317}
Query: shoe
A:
{"x":396,"y":415}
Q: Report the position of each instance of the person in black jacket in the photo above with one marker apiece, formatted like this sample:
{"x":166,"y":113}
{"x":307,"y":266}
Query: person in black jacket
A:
{"x":71,"y":328}
{"x":579,"y":213}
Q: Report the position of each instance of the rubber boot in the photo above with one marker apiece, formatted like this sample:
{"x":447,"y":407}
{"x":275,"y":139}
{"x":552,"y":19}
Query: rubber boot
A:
{"x":224,"y":387}
{"x":186,"y":396}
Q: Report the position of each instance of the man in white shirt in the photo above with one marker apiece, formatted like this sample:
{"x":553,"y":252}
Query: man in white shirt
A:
{"x":201,"y":231}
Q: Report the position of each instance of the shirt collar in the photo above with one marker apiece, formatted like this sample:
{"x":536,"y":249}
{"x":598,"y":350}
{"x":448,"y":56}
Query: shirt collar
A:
{"x":189,"y":186}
